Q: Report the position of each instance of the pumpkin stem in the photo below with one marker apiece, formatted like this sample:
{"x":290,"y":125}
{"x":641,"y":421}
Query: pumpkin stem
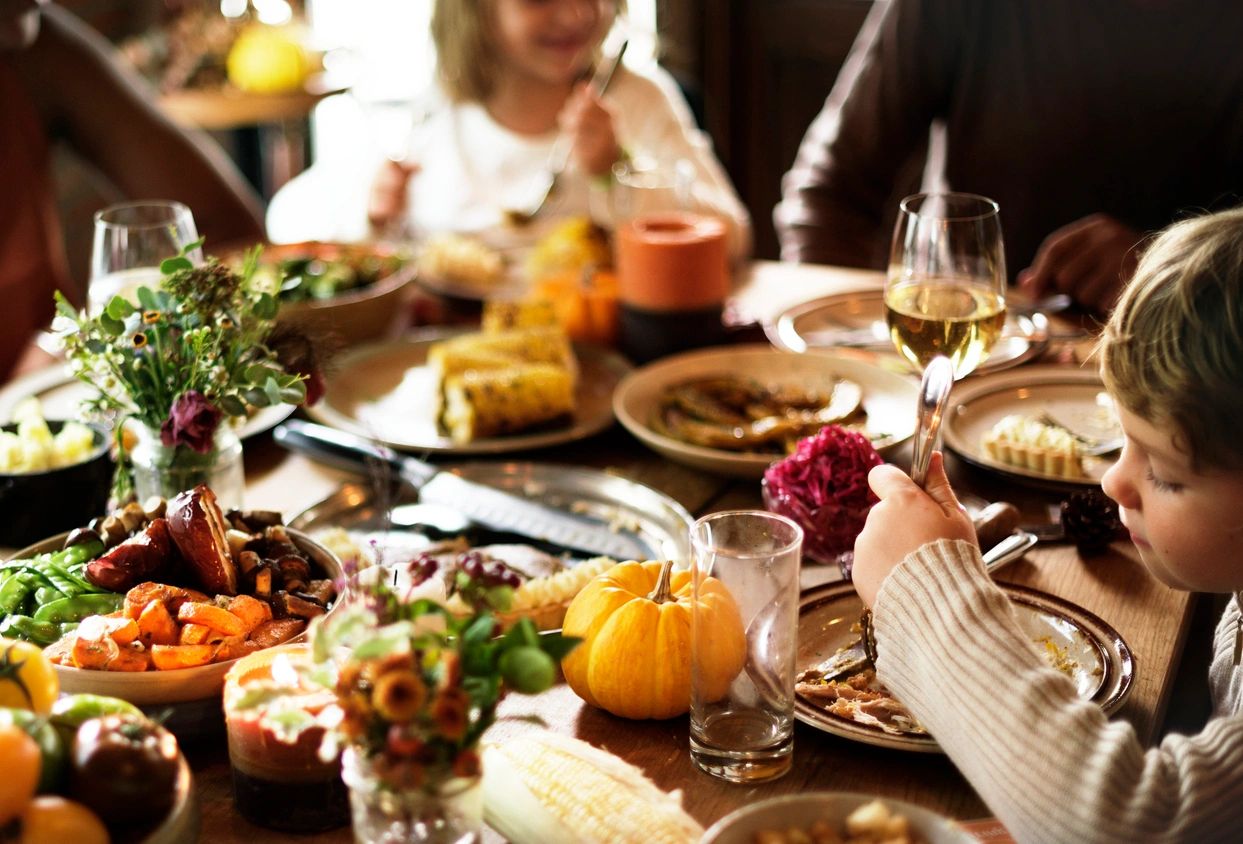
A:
{"x":662,"y":593}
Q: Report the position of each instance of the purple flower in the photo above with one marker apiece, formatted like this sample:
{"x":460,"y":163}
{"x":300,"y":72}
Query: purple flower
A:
{"x":191,"y":422}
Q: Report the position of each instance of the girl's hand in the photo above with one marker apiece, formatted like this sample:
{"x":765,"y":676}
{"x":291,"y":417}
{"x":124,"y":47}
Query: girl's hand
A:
{"x":905,"y":519}
{"x":589,"y":124}
{"x":390,"y":195}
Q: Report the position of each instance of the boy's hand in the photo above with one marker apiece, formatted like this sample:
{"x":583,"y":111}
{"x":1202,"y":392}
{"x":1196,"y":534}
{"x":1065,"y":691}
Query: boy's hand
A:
{"x":1090,"y":260}
{"x":906,"y":518}
{"x":390,"y":195}
{"x":589,"y":123}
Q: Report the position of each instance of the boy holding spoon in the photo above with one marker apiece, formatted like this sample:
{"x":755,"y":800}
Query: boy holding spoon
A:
{"x":1048,"y":764}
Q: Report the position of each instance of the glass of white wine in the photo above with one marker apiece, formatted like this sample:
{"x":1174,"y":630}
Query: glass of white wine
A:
{"x":945,"y":289}
{"x":130,"y":241}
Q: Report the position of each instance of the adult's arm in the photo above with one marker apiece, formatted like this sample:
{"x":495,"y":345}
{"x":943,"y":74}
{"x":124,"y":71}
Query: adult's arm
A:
{"x":1049,"y":764}
{"x":896,"y":80}
{"x":109,"y":116}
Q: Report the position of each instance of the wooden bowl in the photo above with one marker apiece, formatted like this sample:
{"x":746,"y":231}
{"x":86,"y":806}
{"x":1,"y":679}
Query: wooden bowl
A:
{"x":179,"y":685}
{"x":355,"y":316}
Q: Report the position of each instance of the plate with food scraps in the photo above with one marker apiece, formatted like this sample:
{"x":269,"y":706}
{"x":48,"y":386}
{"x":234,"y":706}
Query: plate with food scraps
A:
{"x":674,"y":406}
{"x":61,"y":396}
{"x":857,"y":320}
{"x":1072,"y":398}
{"x":387,"y":391}
{"x":393,"y":528}
{"x":1079,"y":644}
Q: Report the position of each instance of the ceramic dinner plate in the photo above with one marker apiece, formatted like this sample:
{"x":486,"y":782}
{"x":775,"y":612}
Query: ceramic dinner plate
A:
{"x":823,"y":323}
{"x":1098,"y":661}
{"x":1076,"y":398}
{"x":61,"y":395}
{"x":387,"y":392}
{"x":888,"y":397}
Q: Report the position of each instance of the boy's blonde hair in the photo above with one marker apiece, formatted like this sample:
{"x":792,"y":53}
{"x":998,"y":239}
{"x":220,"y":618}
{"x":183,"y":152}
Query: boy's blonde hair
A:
{"x":1172,"y":352}
{"x":466,"y":54}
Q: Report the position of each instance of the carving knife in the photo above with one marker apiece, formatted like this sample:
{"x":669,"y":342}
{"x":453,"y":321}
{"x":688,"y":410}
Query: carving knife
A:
{"x":488,"y":506}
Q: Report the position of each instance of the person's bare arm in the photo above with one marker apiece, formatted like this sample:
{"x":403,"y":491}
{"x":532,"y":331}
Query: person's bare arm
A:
{"x":109,"y":116}
{"x":893,"y":84}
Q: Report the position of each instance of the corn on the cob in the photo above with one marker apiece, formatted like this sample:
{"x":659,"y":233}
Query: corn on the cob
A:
{"x":549,"y":788}
{"x":507,"y":316}
{"x":485,"y":403}
{"x":476,"y":350}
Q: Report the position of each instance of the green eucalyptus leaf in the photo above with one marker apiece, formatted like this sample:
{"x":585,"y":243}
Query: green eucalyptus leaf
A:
{"x":119,"y":308}
{"x":293,"y":395}
{"x":557,"y":646}
{"x":480,"y":629}
{"x":232,"y":405}
{"x":527,"y":633}
{"x":272,"y":390}
{"x":110,"y":325}
{"x":148,"y":299}
{"x":258,"y":373}
{"x":171,"y":265}
{"x":255,"y":397}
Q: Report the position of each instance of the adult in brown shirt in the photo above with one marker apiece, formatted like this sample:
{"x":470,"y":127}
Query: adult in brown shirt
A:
{"x":1091,"y":122}
{"x":59,"y":83}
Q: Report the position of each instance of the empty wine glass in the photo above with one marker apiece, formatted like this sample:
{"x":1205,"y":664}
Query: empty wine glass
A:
{"x":945,"y":290}
{"x":130,"y":242}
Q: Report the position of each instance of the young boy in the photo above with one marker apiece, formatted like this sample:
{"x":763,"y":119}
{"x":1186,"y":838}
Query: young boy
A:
{"x":1048,"y":764}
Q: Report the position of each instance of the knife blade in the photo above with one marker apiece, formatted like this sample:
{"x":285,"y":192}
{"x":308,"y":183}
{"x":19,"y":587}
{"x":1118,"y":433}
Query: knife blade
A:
{"x":490,"y":507}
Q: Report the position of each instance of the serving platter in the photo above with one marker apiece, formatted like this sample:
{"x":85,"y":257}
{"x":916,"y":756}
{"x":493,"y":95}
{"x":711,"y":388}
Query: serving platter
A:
{"x":657,"y":522}
{"x":387,"y":392}
{"x":1100,"y":663}
{"x":889,"y":398}
{"x":1074,"y":397}
{"x":61,"y":395}
{"x":858,"y":318}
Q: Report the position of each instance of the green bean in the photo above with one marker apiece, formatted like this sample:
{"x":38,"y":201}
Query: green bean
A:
{"x":80,"y":553}
{"x":78,"y":608}
{"x":13,"y":594}
{"x":62,"y":579}
{"x":31,"y":629}
{"x":48,"y":594}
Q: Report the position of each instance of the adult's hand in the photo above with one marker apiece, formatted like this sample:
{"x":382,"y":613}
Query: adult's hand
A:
{"x":906,"y":518}
{"x":390,"y":195}
{"x":589,"y":123}
{"x":1090,"y":260}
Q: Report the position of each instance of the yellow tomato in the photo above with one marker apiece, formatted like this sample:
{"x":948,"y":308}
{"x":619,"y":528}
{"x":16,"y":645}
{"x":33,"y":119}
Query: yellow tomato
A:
{"x":20,"y":761}
{"x":27,"y":679}
{"x":54,"y":820}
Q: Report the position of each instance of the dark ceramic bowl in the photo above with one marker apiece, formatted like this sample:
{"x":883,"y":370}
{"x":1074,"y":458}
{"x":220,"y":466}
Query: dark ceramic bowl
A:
{"x":38,"y":504}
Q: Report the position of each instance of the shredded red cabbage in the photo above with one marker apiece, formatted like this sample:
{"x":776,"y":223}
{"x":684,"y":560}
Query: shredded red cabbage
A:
{"x":823,"y":487}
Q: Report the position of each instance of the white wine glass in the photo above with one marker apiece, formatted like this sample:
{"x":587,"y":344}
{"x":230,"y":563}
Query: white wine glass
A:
{"x":945,"y":289}
{"x":130,"y":241}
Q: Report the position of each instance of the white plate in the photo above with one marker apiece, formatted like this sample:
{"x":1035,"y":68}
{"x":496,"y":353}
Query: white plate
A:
{"x":1074,"y":397}
{"x":60,"y":395}
{"x":802,"y":810}
{"x":386,"y":391}
{"x":1103,"y":667}
{"x":814,"y":324}
{"x":889,"y":398}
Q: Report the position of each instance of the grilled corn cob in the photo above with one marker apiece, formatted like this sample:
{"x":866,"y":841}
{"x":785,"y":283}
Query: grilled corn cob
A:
{"x":478,"y":350}
{"x":484,"y":403}
{"x":507,"y":316}
{"x":549,"y":788}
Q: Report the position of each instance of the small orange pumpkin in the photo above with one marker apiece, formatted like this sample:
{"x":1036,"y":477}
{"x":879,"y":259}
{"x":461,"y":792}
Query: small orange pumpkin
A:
{"x":585,"y":303}
{"x":635,"y":657}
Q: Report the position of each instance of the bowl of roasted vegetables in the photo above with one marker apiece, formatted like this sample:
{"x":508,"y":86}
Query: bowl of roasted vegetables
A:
{"x":354,"y":292}
{"x":153,"y":602}
{"x":53,"y":475}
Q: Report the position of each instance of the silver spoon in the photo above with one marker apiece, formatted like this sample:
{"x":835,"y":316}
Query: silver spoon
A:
{"x":934,"y":393}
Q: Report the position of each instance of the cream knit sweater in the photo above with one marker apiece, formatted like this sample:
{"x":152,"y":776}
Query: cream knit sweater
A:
{"x":1048,"y":764}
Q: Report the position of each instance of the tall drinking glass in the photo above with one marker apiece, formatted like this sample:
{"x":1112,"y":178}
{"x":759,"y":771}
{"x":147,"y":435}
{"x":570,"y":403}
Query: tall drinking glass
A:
{"x":744,"y":631}
{"x":130,"y":242}
{"x":945,"y":290}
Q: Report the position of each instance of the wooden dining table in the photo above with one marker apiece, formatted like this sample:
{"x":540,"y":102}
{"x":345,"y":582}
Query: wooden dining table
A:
{"x":1151,"y":618}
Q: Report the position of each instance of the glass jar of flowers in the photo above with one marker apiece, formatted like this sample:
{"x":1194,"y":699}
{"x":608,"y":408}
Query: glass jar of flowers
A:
{"x":171,"y":369}
{"x":415,"y":688}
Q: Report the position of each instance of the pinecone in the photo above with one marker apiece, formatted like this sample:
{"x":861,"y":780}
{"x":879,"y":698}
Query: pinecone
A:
{"x":1090,"y":520}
